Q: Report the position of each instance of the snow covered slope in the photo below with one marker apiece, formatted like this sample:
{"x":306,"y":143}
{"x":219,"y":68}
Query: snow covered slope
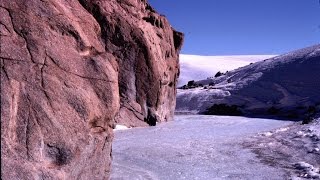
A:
{"x":194,"y":67}
{"x":284,"y":86}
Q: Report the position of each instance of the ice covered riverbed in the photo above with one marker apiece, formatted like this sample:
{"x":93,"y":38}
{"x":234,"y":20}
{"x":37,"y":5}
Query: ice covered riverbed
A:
{"x":193,"y":147}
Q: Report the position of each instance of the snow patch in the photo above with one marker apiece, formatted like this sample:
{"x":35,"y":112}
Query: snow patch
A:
{"x":282,"y":129}
{"x":308,"y":170}
{"x":120,"y":127}
{"x":267,"y":134}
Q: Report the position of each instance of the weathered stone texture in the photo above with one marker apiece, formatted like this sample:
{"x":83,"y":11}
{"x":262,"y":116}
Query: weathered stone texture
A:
{"x":69,"y":70}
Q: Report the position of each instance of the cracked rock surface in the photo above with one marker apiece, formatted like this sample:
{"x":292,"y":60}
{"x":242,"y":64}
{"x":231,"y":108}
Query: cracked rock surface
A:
{"x":70,"y":70}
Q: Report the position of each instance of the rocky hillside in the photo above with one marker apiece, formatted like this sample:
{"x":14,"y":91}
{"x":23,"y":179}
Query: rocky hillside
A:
{"x":70,"y":70}
{"x":286,"y":86}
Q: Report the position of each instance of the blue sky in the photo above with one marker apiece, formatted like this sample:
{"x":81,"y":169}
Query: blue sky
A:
{"x":238,"y":27}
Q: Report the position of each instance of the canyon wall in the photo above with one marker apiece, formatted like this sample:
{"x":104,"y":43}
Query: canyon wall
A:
{"x":72,"y":69}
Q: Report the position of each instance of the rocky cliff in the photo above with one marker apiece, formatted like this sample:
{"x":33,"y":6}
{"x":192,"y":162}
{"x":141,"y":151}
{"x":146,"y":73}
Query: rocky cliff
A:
{"x":70,"y":70}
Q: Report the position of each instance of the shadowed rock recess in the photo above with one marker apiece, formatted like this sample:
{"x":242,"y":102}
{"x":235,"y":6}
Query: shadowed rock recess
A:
{"x":69,"y":71}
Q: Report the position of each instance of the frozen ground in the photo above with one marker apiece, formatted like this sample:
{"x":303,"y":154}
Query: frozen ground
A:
{"x":295,"y":148}
{"x":195,"y":147}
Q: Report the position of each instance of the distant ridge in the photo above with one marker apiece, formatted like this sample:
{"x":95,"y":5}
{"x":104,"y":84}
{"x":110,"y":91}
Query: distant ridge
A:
{"x":285,"y":86}
{"x":197,"y":67}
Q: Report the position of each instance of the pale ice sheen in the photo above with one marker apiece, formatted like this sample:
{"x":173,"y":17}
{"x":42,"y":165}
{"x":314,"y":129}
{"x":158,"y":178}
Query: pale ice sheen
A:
{"x":195,"y":67}
{"x":193,"y":147}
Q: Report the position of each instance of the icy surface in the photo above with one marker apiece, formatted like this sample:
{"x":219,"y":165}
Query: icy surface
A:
{"x":294,"y":148}
{"x":193,"y":147}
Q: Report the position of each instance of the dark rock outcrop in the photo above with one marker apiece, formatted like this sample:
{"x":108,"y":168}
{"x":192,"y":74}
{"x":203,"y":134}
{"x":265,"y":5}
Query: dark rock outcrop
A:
{"x":69,"y":70}
{"x":223,"y":109}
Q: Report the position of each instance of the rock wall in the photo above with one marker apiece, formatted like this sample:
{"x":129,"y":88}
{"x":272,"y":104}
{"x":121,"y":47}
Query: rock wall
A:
{"x":69,"y":70}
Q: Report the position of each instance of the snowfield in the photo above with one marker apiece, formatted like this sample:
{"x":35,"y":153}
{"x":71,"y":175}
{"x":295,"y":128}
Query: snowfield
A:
{"x":195,"y":67}
{"x":286,"y":86}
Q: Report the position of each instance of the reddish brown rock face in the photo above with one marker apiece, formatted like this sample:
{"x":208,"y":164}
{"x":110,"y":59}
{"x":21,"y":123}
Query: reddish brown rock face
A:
{"x":69,"y":70}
